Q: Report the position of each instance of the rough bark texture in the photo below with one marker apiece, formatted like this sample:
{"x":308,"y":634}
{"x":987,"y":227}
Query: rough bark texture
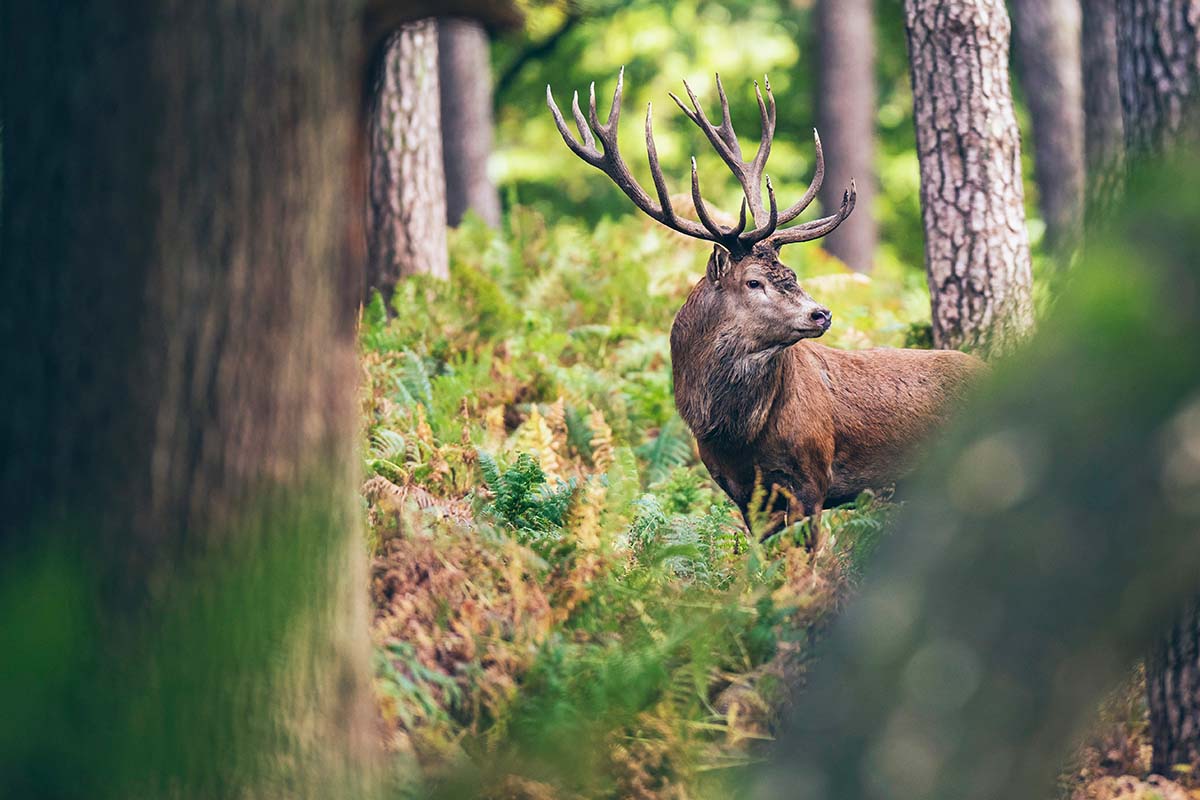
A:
{"x":1040,"y":551}
{"x":1158,"y":44}
{"x":1173,"y":693}
{"x":1104,"y":128}
{"x":845,"y":37}
{"x":972,"y":200}
{"x":406,"y":215}
{"x":1046,"y":44}
{"x":1158,"y":50}
{"x":465,"y":76}
{"x":180,"y":357}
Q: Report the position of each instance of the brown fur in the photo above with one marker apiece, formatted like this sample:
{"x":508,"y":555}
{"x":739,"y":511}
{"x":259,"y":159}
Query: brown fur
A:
{"x":820,"y":424}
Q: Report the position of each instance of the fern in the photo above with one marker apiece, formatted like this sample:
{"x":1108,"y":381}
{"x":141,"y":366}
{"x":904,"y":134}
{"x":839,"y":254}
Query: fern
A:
{"x":672,"y":447}
{"x":522,"y":500}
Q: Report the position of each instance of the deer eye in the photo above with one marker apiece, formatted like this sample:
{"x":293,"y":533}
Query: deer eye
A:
{"x":753,"y":284}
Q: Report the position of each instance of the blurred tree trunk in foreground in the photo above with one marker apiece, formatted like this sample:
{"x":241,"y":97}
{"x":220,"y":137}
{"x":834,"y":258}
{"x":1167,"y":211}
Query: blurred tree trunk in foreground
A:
{"x":1046,"y":43}
{"x":972,"y":199}
{"x":845,"y":94}
{"x":406,"y":210}
{"x":1104,"y":128}
{"x":465,"y":77}
{"x":1159,"y":57}
{"x":1045,"y":543}
{"x":181,"y":607}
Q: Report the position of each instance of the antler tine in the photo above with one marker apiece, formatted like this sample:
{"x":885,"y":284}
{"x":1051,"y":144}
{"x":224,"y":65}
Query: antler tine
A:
{"x":587,"y":153}
{"x":702,"y":209}
{"x":726,"y":127}
{"x":814,"y":186}
{"x":585,"y":132}
{"x":660,"y":183}
{"x":767,"y":117}
{"x":818,"y":227}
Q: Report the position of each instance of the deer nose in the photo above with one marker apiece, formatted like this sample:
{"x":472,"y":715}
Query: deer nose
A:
{"x":822,"y":316}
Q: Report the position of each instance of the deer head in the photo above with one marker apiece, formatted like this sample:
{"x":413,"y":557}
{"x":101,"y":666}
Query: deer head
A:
{"x":747,"y":287}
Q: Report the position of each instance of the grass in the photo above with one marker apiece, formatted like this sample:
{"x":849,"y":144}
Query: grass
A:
{"x":565,"y":604}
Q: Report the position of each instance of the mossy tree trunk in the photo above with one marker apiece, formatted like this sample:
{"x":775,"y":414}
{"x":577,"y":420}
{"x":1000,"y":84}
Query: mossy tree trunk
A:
{"x":972,"y":200}
{"x":465,"y":77}
{"x":406,"y":210}
{"x":1046,"y":43}
{"x":845,"y":99}
{"x":1159,"y":61}
{"x":178,"y":422}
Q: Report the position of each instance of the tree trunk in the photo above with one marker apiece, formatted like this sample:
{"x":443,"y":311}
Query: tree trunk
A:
{"x":1046,"y":44}
{"x":1104,"y":128}
{"x":406,"y":214}
{"x":1173,"y":694}
{"x":465,"y":75}
{"x":1158,"y":50}
{"x":177,"y":433}
{"x":845,"y":38}
{"x":972,"y":200}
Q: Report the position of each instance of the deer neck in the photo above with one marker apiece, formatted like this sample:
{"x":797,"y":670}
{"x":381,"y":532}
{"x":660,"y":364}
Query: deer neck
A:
{"x":723,"y":392}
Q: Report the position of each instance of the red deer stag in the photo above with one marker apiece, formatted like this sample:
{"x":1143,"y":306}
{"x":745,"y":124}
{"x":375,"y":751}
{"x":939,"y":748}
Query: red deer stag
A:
{"x":816,"y":424}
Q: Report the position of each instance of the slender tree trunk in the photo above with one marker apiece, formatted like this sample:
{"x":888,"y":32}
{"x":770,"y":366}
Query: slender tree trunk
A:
{"x":1158,"y":44}
{"x":1173,"y":694}
{"x":1046,"y":43}
{"x":179,"y":417}
{"x":845,"y":37}
{"x":1104,"y":128}
{"x":406,"y":214}
{"x":972,"y":200}
{"x":1158,"y":50}
{"x":465,"y":75}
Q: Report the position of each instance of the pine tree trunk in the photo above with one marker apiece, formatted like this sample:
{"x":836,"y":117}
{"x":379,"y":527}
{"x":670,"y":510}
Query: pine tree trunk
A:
{"x":845,"y":38}
{"x":972,"y":201}
{"x":406,"y":214}
{"x":1046,"y":43}
{"x":465,"y":74}
{"x":1158,"y":51}
{"x":1104,"y":128}
{"x":178,"y":423}
{"x":1173,"y":694}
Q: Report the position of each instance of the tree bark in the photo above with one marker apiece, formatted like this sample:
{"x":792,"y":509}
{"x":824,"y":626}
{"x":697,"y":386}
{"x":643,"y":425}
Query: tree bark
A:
{"x":1046,"y":44}
{"x":1158,"y":51}
{"x":465,"y":76}
{"x":177,"y":435}
{"x":1104,"y":127}
{"x":1173,"y":694}
{"x":406,"y":219}
{"x":972,"y":201}
{"x":845,"y":38}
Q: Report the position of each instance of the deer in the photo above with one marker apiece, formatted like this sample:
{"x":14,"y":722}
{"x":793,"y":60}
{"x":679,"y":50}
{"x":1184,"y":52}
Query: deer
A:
{"x":767,"y":405}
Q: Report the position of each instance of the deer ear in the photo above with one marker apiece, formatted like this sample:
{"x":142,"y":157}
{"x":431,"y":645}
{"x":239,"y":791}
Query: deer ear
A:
{"x":718,"y":263}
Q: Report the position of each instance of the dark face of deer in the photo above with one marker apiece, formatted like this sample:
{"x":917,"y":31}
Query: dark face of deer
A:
{"x":760,"y":301}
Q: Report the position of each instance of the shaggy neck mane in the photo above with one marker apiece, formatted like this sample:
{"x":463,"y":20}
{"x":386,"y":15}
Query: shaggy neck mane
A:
{"x":723,"y":392}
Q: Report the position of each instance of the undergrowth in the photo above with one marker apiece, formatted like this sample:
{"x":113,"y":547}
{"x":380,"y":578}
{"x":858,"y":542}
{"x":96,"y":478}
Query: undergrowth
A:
{"x":565,"y":604}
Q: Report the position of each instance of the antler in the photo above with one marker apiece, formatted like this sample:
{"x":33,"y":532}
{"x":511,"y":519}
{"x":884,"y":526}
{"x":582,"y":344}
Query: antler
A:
{"x":750,"y":174}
